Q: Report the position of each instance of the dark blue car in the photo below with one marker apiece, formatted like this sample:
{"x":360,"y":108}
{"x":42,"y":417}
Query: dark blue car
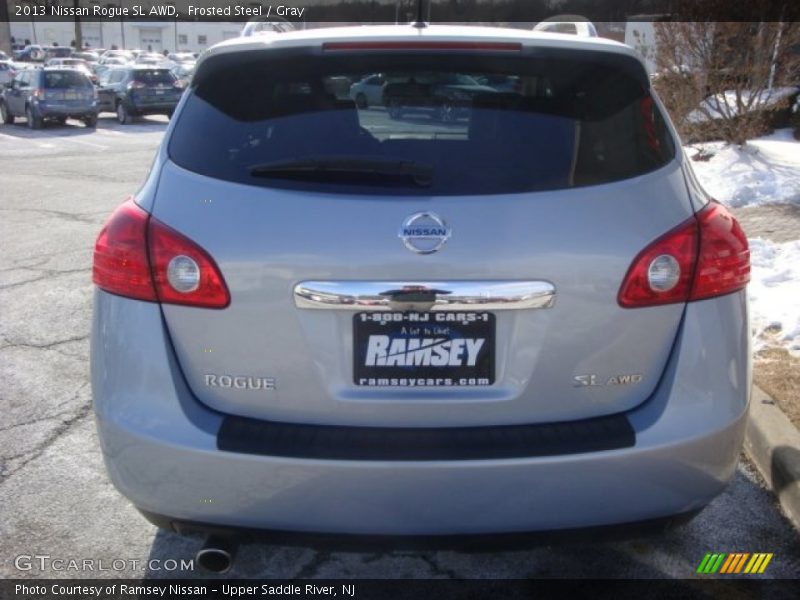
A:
{"x":52,"y":94}
{"x":131,"y":91}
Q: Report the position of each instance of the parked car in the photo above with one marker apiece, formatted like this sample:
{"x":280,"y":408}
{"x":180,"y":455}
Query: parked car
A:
{"x":314,"y":318}
{"x":446,"y":96}
{"x":4,"y":56}
{"x":266,"y":25}
{"x":51,"y":52}
{"x":150,"y":58}
{"x":500,"y":82}
{"x":30,"y":53}
{"x":111,"y":61}
{"x":49,"y":94}
{"x":369,"y":91}
{"x":125,"y":55}
{"x":7,"y":71}
{"x":183,"y":73}
{"x":88,"y":56}
{"x":182,"y":57}
{"x":131,"y":91}
{"x":73,"y":63}
{"x":153,"y":62}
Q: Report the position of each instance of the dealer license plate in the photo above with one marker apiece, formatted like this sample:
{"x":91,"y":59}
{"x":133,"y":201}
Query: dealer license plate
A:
{"x":423,"y":349}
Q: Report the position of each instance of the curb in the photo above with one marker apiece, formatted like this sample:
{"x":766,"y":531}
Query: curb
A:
{"x":773,"y":443}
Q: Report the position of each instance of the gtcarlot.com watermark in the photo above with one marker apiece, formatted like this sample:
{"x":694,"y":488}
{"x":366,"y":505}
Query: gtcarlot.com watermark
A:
{"x":45,"y":562}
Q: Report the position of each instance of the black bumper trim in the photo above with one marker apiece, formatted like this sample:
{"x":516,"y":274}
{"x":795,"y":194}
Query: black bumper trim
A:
{"x":330,"y":442}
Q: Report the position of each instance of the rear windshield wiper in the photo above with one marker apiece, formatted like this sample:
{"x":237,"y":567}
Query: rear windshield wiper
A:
{"x":347,"y":169}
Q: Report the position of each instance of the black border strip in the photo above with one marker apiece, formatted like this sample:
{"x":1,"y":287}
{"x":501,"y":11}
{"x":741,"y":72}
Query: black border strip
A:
{"x":331,"y":442}
{"x":390,"y":11}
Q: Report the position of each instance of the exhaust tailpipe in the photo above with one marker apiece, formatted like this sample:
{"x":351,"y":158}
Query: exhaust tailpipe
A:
{"x":217,"y":554}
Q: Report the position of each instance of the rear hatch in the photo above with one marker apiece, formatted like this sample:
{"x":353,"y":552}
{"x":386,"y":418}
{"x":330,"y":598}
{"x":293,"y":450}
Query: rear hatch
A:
{"x":68,"y":87}
{"x":154,"y":86}
{"x":342,"y":232}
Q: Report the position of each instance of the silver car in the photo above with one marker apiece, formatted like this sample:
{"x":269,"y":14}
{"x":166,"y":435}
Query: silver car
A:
{"x":368,"y":91}
{"x":314,"y":318}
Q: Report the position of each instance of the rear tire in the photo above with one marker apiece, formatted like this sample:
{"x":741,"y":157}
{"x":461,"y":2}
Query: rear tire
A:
{"x":61,"y":120}
{"x":123,"y":116}
{"x":90,"y":121}
{"x":5,"y":114}
{"x":361,"y":101}
{"x":34,"y":122}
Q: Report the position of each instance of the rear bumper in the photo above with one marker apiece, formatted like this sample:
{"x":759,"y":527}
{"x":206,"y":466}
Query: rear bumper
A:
{"x":146,"y":108}
{"x":160,"y":448}
{"x":55,"y":110}
{"x":481,"y":542}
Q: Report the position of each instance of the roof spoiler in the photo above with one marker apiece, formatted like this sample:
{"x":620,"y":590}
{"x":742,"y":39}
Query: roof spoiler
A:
{"x":574,"y":24}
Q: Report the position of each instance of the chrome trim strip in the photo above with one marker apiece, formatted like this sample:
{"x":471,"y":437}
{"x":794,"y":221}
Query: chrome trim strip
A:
{"x":424,"y":295}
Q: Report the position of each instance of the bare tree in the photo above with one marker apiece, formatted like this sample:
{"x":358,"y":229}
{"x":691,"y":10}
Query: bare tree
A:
{"x":724,"y":80}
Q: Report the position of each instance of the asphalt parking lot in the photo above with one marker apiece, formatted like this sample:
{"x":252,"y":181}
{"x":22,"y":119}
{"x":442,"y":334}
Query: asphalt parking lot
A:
{"x":57,"y":186}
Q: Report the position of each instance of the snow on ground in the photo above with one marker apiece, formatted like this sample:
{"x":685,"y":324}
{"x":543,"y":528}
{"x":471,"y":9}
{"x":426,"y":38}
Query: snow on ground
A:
{"x":729,"y":103}
{"x":765,"y":171}
{"x":774,"y":293}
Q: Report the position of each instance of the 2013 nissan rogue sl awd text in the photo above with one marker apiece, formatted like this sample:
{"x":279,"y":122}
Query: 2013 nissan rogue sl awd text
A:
{"x":505,"y":308}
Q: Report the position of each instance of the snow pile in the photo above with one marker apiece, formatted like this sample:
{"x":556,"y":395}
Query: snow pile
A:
{"x":774,"y":293}
{"x":765,"y":171}
{"x":725,"y":105}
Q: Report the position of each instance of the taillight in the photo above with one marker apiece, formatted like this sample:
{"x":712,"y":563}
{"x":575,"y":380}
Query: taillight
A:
{"x":723,"y":265}
{"x":121,"y":265}
{"x":38,"y":93}
{"x":645,"y":283}
{"x":705,"y":256}
{"x":139,"y":257}
{"x":183,"y":272}
{"x":136,"y":85}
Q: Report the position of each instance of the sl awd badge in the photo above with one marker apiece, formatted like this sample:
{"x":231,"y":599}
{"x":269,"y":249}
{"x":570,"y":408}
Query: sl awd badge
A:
{"x":596,"y":381}
{"x":424,"y":232}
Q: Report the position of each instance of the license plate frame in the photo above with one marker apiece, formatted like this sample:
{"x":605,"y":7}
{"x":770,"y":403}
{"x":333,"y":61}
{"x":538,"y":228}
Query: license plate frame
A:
{"x":436,"y":359}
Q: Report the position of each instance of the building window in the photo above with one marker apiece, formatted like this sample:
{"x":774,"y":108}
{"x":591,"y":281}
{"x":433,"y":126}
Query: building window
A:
{"x":183,"y":39}
{"x":201,"y":39}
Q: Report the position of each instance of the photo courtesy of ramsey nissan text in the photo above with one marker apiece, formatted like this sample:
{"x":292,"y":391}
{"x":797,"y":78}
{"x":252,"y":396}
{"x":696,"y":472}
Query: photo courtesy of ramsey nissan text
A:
{"x":378,"y":298}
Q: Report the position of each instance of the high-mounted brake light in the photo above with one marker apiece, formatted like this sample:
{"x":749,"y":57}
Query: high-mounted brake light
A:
{"x":139,"y":257}
{"x":423,"y":45}
{"x":705,"y":256}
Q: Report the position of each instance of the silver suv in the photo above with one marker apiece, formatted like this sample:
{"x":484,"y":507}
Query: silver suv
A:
{"x":508,"y":308}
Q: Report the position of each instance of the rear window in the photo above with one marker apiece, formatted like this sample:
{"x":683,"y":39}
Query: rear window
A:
{"x":454,"y":125}
{"x":65,"y":79}
{"x":153,"y":76}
